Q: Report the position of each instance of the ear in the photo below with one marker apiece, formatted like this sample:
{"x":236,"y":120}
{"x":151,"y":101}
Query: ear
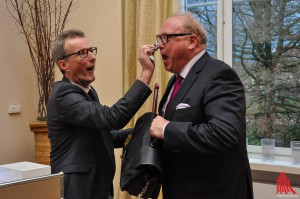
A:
{"x":193,"y":41}
{"x":62,"y":65}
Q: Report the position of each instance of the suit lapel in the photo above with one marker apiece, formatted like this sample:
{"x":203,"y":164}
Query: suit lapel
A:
{"x":93,"y":95}
{"x":184,"y":88}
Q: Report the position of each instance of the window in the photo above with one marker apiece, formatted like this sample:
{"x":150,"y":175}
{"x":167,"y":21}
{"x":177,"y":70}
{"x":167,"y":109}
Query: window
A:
{"x":260,"y":39}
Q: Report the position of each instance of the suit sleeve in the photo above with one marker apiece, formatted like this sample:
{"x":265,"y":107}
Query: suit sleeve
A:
{"x":222,"y":112}
{"x":119,"y":136}
{"x":75,"y":109}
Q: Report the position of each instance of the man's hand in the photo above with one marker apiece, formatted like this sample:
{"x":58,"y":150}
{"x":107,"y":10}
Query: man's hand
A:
{"x":157,"y":126}
{"x":147,"y":65}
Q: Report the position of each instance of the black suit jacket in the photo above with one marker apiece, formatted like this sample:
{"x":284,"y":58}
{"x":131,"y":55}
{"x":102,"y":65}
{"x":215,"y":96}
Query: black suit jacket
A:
{"x":82,"y":143}
{"x":205,"y":144}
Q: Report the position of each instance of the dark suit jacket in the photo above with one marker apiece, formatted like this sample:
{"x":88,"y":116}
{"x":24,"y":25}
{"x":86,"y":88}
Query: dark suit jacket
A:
{"x":205,"y":145}
{"x":82,"y":145}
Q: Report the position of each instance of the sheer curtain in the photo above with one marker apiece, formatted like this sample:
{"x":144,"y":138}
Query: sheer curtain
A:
{"x":142,"y":20}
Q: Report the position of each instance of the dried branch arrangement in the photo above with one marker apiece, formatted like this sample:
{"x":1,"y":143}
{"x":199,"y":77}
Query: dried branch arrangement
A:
{"x":38,"y":22}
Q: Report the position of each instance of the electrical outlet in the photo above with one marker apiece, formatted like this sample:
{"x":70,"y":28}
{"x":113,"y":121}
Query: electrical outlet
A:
{"x":14,"y":108}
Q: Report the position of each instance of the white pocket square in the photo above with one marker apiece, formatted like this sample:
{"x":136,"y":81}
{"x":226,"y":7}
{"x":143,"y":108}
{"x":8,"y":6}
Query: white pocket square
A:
{"x":182,"y":106}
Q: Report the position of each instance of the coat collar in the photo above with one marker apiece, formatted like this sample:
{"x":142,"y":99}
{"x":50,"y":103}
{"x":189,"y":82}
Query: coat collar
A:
{"x":83,"y":88}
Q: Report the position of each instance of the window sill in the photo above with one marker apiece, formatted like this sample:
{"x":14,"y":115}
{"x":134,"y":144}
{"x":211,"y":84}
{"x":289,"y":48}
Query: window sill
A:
{"x":281,"y":154}
{"x":268,"y":172}
{"x":275,"y":166}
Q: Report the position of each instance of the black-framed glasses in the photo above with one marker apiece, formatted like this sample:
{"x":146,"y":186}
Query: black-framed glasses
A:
{"x":83,"y":53}
{"x":165,"y":37}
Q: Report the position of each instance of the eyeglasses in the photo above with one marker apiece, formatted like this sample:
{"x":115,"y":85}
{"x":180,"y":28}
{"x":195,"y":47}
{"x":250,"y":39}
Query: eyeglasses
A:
{"x":83,"y":53}
{"x":165,"y":37}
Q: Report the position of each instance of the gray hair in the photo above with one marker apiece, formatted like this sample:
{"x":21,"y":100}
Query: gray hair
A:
{"x":192,"y":25}
{"x":58,"y":44}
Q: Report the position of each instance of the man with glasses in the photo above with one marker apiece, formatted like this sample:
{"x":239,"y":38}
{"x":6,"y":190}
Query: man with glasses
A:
{"x":80,"y":128}
{"x":202,"y":119}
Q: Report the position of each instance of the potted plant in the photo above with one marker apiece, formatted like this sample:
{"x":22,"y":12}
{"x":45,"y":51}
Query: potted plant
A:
{"x":38,"y":23}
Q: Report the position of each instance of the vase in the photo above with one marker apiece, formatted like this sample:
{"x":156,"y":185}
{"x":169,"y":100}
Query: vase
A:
{"x":41,"y":142}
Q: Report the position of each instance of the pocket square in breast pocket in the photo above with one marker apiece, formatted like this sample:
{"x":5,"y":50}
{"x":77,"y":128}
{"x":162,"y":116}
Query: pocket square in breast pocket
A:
{"x":182,"y":106}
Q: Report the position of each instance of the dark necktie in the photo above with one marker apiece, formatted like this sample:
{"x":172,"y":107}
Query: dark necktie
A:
{"x":92,"y":96}
{"x":175,"y":89}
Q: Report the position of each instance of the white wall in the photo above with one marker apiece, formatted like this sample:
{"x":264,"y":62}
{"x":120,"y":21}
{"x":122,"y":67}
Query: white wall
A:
{"x":101,"y":22}
{"x":16,"y":87}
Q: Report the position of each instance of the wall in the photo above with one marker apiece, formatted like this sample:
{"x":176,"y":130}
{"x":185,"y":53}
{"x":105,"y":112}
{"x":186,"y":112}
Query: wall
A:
{"x":17,"y":87}
{"x":101,"y":21}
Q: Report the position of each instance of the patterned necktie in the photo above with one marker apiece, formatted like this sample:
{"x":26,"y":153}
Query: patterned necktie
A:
{"x":175,"y":89}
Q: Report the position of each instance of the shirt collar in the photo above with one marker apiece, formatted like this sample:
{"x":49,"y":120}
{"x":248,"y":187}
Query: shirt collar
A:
{"x":83,"y":88}
{"x":190,"y":64}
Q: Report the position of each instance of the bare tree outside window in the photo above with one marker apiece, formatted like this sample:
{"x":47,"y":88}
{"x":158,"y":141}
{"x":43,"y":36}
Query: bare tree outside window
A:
{"x":266,"y":55}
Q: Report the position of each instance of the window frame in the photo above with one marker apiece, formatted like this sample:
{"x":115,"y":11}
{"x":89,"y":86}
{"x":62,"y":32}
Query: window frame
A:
{"x":224,"y":30}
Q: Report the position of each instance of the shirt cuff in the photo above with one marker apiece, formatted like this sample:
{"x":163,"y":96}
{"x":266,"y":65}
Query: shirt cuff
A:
{"x":163,"y":133}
